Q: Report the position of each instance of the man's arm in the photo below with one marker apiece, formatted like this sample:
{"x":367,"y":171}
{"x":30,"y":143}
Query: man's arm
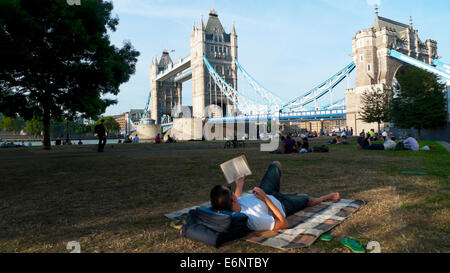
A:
{"x":239,"y":185}
{"x":280,"y":220}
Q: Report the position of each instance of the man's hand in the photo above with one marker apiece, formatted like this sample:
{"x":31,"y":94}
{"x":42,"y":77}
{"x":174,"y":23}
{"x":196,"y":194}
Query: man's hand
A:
{"x":259,"y":193}
{"x":239,"y":185}
{"x":280,"y":220}
{"x":239,"y":181}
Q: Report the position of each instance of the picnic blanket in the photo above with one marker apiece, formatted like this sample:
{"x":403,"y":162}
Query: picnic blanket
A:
{"x":304,"y":227}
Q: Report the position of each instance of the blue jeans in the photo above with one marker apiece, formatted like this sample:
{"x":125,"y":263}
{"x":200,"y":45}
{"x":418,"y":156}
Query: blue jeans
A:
{"x":270,"y":184}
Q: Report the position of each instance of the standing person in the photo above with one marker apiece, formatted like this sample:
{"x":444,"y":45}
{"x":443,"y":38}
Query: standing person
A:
{"x":371,"y":132}
{"x":351,"y":131}
{"x":100,"y":130}
{"x":384,"y":134}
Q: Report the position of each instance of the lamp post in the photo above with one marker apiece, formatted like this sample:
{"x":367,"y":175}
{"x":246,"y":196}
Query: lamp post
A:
{"x":67,"y":131}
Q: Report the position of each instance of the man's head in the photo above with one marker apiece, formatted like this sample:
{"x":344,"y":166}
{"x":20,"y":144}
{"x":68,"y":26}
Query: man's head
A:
{"x":409,"y":135}
{"x":222,"y":198}
{"x":102,"y":121}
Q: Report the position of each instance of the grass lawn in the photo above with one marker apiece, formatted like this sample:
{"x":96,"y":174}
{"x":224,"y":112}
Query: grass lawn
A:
{"x":116,"y":201}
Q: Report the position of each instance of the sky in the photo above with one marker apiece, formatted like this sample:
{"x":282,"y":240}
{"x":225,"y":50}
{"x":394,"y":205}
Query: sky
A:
{"x":287,"y":46}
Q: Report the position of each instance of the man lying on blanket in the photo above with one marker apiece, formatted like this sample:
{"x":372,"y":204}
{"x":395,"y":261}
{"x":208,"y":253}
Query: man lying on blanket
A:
{"x":266,"y":208}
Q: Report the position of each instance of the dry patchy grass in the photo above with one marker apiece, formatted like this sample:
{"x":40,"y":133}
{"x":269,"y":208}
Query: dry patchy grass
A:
{"x":116,"y":201}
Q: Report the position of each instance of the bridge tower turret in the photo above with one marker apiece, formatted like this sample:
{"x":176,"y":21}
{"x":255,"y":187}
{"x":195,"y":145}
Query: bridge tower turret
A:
{"x":220,"y":48}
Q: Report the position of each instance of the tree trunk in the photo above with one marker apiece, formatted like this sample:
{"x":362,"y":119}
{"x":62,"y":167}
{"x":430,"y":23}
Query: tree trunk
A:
{"x":46,"y":124}
{"x":379,"y":132}
{"x":418,"y":134}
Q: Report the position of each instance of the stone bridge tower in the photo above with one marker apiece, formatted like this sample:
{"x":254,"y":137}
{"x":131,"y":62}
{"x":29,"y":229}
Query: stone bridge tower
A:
{"x":375,"y":69}
{"x":164,"y":94}
{"x":220,"y":48}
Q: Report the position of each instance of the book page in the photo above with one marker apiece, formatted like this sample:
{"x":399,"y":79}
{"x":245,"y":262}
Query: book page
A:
{"x":228,"y":170}
{"x":238,"y":166}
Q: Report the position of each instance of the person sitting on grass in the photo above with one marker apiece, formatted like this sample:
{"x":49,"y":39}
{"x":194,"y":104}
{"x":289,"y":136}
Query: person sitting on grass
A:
{"x":389,"y":144}
{"x":363,"y":141}
{"x":267,"y":208}
{"x":170,"y":140}
{"x":336,"y":140}
{"x":305,"y":144}
{"x":304,"y":147}
{"x":136,"y":139}
{"x":289,"y":145}
{"x":157,"y":139}
{"x":411,"y":143}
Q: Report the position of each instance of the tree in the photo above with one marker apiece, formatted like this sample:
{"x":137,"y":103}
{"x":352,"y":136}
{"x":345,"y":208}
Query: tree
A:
{"x":34,"y":126}
{"x":111,"y":125}
{"x":419,"y":101}
{"x":13,"y":124}
{"x":376,"y":106}
{"x":57,"y":59}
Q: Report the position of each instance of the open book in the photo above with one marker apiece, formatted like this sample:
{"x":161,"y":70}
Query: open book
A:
{"x":238,"y":166}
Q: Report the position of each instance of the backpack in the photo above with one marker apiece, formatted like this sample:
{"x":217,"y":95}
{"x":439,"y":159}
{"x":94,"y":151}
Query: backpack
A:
{"x":214,"y":227}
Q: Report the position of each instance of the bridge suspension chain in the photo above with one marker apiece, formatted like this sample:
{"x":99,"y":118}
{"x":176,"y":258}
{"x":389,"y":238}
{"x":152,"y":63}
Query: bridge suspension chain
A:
{"x":314,"y":94}
{"x":245,"y":104}
{"x":269,"y":97}
{"x":144,"y":119}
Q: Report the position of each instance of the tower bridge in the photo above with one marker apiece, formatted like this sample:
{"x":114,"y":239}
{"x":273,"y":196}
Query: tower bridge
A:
{"x":219,"y":47}
{"x":378,"y":54}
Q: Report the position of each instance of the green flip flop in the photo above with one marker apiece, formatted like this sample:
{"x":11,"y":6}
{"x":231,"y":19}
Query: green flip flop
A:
{"x":326,"y":238}
{"x":177,"y":224}
{"x":354,"y":244}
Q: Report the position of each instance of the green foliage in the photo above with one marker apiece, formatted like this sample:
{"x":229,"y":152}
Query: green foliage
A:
{"x":376,"y":106}
{"x":419,"y":102}
{"x":57,"y":59}
{"x":34,"y":126}
{"x":111,"y":125}
{"x":12,"y":124}
{"x":62,"y":127}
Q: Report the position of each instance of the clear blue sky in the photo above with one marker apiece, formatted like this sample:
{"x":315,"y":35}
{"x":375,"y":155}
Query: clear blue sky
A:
{"x":288,"y":46}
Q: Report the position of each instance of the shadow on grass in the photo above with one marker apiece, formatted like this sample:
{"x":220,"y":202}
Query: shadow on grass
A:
{"x":116,"y":202}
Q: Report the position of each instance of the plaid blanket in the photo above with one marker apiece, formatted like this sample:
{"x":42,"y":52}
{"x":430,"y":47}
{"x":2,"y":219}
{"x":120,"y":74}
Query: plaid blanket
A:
{"x":304,"y":227}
